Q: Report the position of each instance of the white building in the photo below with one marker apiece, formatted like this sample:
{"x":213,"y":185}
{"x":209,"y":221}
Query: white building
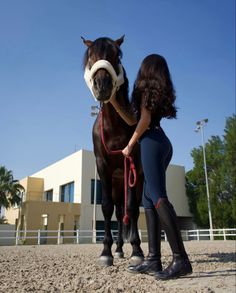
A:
{"x":60,"y":196}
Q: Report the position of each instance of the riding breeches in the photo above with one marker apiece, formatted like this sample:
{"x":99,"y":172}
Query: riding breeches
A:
{"x":156,"y":153}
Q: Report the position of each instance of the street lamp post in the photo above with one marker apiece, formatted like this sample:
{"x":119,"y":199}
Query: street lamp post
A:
{"x":200,"y":125}
{"x":94,"y":112}
{"x":95,"y":205}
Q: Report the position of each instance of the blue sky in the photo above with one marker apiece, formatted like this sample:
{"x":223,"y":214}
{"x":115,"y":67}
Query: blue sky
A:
{"x":45,"y":104}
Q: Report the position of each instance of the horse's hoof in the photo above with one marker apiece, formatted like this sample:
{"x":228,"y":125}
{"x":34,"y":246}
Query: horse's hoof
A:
{"x":119,"y":255}
{"x":136,"y":260}
{"x":105,"y":261}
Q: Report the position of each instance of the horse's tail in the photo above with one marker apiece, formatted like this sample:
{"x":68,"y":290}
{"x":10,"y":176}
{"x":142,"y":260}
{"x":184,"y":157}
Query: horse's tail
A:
{"x":126,"y":231}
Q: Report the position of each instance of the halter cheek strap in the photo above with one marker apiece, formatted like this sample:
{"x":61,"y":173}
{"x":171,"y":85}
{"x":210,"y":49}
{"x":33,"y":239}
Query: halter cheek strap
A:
{"x":117,"y":80}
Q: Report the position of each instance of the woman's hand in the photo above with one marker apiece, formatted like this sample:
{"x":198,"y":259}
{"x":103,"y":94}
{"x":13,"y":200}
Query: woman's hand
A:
{"x":127,"y":150}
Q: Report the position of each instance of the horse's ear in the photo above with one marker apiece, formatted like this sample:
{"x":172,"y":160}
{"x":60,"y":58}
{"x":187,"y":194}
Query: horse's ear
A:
{"x":120,"y":40}
{"x":88,"y":43}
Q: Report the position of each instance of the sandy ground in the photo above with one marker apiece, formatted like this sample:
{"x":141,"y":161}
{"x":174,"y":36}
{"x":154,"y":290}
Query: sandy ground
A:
{"x":73,"y":268}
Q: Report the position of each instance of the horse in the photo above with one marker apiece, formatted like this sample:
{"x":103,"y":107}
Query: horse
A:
{"x":105,"y":76}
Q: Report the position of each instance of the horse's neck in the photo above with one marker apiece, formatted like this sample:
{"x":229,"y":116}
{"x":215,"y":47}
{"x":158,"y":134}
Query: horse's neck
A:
{"x":110,"y":116}
{"x":111,"y":119}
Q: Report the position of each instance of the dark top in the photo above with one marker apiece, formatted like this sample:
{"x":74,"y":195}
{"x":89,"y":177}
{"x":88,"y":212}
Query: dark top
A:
{"x":155,"y":120}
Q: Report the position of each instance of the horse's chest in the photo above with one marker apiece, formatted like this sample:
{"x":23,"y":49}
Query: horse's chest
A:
{"x":117,"y":142}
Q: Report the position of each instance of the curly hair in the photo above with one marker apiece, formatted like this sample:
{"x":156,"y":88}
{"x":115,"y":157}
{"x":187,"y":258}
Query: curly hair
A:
{"x":154,"y":88}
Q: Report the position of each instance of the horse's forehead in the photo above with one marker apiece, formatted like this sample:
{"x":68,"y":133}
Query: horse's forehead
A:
{"x":103,"y":49}
{"x":104,"y":42}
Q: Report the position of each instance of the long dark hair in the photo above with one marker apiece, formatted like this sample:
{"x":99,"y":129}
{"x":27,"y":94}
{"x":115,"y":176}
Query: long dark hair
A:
{"x":154,"y":85}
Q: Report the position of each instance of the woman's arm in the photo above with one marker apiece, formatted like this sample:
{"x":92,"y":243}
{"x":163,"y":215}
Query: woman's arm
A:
{"x":142,"y":126}
{"x":126,"y":114}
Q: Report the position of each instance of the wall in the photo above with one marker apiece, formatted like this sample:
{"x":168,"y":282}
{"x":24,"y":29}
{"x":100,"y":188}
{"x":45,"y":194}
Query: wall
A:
{"x":63,"y":172}
{"x":11,"y":215}
{"x":176,"y":191}
{"x":5,"y":228}
{"x":33,"y":212}
{"x":34,"y":189}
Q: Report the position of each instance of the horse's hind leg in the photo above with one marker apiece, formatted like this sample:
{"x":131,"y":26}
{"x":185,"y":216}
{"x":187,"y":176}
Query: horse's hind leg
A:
{"x":119,"y":242}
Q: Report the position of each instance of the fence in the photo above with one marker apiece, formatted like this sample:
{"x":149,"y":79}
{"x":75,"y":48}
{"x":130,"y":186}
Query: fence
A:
{"x":214,"y":234}
{"x":89,"y":236}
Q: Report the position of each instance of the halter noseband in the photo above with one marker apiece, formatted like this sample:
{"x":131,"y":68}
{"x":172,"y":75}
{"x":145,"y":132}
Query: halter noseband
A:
{"x":117,"y":80}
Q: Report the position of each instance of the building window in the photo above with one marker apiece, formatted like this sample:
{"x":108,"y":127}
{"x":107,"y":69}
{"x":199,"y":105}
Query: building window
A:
{"x":48,"y":195}
{"x":67,"y":192}
{"x":99,"y":191}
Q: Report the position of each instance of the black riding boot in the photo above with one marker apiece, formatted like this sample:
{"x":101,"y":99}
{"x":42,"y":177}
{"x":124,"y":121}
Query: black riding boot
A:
{"x":180,"y":265}
{"x":152,"y":263}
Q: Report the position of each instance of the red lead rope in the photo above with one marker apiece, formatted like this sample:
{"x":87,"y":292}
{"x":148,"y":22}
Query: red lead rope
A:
{"x":132,"y":170}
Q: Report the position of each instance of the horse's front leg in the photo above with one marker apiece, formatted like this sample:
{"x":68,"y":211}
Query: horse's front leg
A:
{"x":106,"y":258}
{"x":119,"y":242}
{"x":137,"y":255}
{"x":118,"y":195}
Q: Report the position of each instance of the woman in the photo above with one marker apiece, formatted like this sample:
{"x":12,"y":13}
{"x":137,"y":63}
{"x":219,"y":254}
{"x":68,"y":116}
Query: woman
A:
{"x":153,"y":98}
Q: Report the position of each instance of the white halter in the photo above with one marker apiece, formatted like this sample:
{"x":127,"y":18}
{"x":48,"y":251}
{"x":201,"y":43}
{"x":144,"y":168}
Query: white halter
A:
{"x":117,"y":80}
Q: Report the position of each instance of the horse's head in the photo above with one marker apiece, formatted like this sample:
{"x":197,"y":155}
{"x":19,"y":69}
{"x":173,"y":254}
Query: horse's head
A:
{"x":103,"y":69}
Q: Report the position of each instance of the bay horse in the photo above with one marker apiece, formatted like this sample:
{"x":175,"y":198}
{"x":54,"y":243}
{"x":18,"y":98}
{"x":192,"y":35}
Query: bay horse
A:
{"x":105,"y":77}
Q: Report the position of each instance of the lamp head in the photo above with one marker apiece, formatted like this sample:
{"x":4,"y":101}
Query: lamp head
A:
{"x":202,"y":122}
{"x":93,"y":108}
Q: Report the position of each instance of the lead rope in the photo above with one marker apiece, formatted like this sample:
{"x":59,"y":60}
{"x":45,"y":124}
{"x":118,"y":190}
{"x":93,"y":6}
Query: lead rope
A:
{"x":132,"y":170}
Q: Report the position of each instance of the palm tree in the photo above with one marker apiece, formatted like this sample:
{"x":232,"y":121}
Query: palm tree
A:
{"x":10,"y":189}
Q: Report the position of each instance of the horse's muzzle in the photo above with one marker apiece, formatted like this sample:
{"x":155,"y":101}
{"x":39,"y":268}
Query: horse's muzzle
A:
{"x":102,"y":87}
{"x":102,"y":97}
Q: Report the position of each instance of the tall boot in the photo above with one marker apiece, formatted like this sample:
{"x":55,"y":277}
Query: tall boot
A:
{"x":152,"y":263}
{"x":180,"y":265}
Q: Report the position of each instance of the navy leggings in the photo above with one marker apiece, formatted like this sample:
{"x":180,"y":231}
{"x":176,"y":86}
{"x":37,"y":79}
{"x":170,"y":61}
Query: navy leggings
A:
{"x":156,"y":153}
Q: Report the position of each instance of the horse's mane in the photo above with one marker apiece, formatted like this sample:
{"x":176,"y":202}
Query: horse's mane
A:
{"x":105,"y":48}
{"x":124,"y":89}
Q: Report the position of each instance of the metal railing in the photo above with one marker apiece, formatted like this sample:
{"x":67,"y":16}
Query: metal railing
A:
{"x":87,"y":236}
{"x":214,"y":234}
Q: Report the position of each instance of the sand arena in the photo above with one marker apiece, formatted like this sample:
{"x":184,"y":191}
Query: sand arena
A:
{"x":73,"y":268}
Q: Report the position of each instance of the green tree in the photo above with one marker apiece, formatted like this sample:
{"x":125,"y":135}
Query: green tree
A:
{"x":10,"y":189}
{"x":221,"y":167}
{"x":230,"y":161}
